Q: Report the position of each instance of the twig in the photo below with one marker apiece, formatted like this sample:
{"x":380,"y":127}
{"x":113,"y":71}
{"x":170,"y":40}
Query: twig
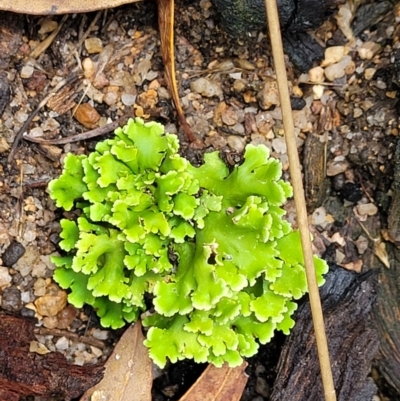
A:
{"x":25,"y":126}
{"x":105,"y":129}
{"x":302,"y":218}
{"x":41,"y":47}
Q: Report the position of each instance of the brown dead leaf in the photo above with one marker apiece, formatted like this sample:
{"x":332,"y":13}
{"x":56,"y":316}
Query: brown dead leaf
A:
{"x":129,"y":371}
{"x":218,"y":384}
{"x":166,"y":26}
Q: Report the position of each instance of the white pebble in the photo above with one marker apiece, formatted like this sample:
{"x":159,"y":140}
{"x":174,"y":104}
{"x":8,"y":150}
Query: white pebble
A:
{"x":368,"y":50}
{"x":236,"y":143}
{"x":62,"y":343}
{"x":338,"y":165}
{"x":319,"y":216}
{"x":318,"y":91}
{"x":333,"y":55}
{"x":27,"y":71}
{"x":368,"y":209}
{"x":128,"y":99}
{"x":5,"y":278}
{"x":337,"y":70}
{"x":206,"y":87}
{"x":279,"y":145}
{"x":316,"y":75}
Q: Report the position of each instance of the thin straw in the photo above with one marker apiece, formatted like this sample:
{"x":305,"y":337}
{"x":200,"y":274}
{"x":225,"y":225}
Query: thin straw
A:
{"x":295,"y":172}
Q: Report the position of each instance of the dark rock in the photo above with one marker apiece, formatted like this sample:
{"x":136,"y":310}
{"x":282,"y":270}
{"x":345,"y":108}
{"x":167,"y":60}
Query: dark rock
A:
{"x":297,"y":103}
{"x":13,"y":253}
{"x":29,"y":313}
{"x":351,"y":192}
{"x":11,"y":299}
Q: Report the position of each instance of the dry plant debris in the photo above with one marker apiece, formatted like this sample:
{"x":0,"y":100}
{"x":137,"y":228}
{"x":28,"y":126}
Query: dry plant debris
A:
{"x":128,"y":371}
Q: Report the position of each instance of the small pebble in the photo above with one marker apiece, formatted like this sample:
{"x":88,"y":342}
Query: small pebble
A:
{"x":368,"y":50}
{"x":100,"y":334}
{"x":229,"y":116}
{"x":206,"y":87}
{"x":51,"y":304}
{"x":62,"y":343}
{"x":87,"y":115}
{"x":66,"y":317}
{"x":89,"y":68}
{"x":297,"y":103}
{"x":333,"y":55}
{"x":337,"y":166}
{"x":13,"y":253}
{"x":28,"y":313}
{"x":236,"y":143}
{"x":337,"y":70}
{"x":262,"y":387}
{"x":93,"y":45}
{"x":318,"y":91}
{"x":11,"y":299}
{"x":128,"y":99}
{"x":351,"y":192}
{"x":268,"y":96}
{"x":362,"y":244}
{"x":318,"y":218}
{"x":50,"y":124}
{"x":38,"y":348}
{"x":368,"y":209}
{"x":279,"y":145}
{"x":110,"y":98}
{"x":47,"y":26}
{"x":316,"y":75}
{"x":27,"y":71}
{"x":36,"y":132}
{"x":5,"y":278}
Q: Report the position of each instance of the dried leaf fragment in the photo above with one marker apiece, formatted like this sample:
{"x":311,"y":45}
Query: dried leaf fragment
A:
{"x":218,"y":384}
{"x":128,"y":372}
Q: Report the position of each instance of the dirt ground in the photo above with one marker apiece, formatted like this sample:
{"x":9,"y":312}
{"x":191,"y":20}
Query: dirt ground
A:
{"x":110,"y":63}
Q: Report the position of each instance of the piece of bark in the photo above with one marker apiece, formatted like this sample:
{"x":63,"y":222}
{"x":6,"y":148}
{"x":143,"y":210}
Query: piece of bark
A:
{"x":23,"y":373}
{"x":347,"y":299}
{"x":386,"y":317}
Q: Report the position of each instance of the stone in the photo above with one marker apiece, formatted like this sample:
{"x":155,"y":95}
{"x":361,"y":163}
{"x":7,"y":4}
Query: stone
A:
{"x":333,"y":55}
{"x":87,"y":115}
{"x":206,"y":87}
{"x":11,"y":299}
{"x":53,"y":302}
{"x":338,"y":165}
{"x":316,"y":75}
{"x":93,"y":45}
{"x":368,"y":50}
{"x":13,"y":253}
{"x":5,"y":278}
{"x":368,"y":209}
{"x":268,"y":96}
{"x":27,"y":71}
{"x":337,"y":70}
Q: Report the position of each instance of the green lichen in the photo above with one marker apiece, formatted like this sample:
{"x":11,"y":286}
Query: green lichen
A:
{"x":209,"y":245}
